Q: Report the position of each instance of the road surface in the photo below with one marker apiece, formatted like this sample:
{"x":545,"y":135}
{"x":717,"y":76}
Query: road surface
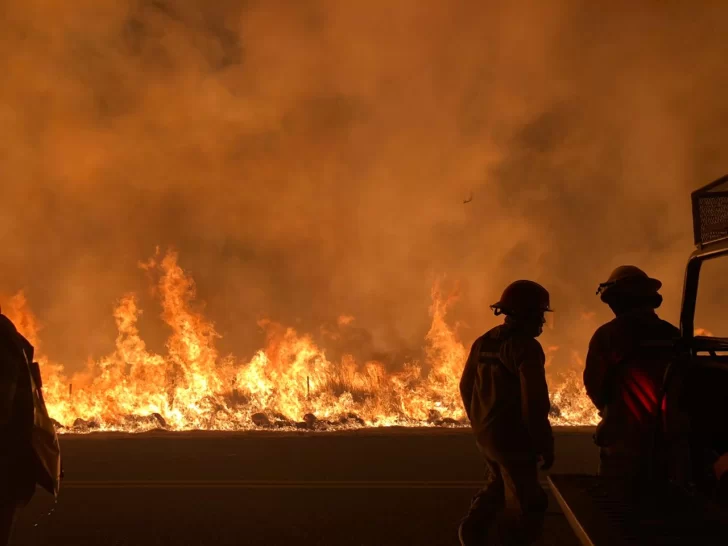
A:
{"x":360,"y":488}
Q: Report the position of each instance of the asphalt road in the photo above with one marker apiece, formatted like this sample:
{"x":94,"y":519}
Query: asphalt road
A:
{"x":372,"y":487}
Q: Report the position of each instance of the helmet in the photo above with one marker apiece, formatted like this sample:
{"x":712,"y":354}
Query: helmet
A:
{"x":523,"y":297}
{"x":628,"y":279}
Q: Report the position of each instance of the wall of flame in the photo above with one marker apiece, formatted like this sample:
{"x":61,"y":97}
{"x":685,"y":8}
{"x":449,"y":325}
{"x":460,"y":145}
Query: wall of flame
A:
{"x":192,"y":386}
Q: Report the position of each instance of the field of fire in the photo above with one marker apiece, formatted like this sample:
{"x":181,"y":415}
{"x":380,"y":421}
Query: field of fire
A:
{"x":363,"y":273}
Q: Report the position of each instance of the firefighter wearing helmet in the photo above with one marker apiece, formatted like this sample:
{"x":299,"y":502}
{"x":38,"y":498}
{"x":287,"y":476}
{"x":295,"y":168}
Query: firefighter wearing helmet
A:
{"x":504,"y":391}
{"x":625,"y":367}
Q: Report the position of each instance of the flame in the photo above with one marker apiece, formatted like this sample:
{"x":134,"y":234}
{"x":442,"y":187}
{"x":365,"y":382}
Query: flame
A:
{"x":289,"y":383}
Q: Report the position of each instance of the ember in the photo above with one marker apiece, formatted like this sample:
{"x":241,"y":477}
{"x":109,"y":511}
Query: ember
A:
{"x":288,"y":384}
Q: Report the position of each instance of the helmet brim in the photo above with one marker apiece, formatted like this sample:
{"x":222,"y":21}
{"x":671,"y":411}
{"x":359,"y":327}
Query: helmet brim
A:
{"x":646,"y":284}
{"x":498,"y":309}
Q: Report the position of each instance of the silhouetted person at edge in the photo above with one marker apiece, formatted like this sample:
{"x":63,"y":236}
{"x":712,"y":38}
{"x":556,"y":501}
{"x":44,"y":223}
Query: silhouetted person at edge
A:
{"x":623,"y":376}
{"x":29,"y":451}
{"x":506,"y":397}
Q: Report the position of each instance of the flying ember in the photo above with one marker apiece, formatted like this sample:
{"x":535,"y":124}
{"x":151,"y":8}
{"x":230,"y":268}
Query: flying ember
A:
{"x":288,"y":383}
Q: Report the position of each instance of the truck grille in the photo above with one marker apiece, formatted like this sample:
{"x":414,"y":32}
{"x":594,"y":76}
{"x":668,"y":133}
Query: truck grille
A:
{"x":710,"y":212}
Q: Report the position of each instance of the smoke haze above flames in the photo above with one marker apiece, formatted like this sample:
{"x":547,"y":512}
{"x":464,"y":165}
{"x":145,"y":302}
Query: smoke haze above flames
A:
{"x":310,"y":159}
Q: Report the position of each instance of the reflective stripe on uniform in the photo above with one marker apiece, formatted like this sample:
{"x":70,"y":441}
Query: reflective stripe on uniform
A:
{"x":489,"y":355}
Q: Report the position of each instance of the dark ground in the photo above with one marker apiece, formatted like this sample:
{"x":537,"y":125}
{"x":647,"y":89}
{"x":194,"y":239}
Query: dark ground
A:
{"x":375,"y":488}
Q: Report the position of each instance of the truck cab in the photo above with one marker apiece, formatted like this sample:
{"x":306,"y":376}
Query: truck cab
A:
{"x":686,"y":509}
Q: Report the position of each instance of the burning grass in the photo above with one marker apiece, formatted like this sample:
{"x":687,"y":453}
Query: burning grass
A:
{"x":289,"y":384}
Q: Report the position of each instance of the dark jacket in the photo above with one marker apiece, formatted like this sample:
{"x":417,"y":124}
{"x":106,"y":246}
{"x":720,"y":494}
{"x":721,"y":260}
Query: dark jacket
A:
{"x":504,"y":391}
{"x":625,"y":367}
{"x":17,"y":460}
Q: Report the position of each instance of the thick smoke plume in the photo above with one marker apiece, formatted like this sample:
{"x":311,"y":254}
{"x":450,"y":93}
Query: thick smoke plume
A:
{"x":310,"y":159}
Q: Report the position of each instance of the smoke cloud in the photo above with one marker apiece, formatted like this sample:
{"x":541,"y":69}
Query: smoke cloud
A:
{"x":310,"y":159}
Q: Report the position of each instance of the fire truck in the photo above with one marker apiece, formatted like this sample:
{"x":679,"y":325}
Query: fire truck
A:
{"x":683,"y":508}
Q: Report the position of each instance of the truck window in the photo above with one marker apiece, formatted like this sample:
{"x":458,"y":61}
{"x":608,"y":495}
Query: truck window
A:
{"x":711,"y":309}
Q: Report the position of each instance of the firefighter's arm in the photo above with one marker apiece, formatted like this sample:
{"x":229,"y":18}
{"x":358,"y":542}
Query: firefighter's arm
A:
{"x":467,"y":381}
{"x":535,"y":397}
{"x":8,"y":383}
{"x":595,"y":371}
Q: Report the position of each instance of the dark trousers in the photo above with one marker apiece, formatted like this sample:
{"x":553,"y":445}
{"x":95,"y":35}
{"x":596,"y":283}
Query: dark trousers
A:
{"x":621,"y":461}
{"x":9,"y":510}
{"x":17,"y":485}
{"x":512,"y":487}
